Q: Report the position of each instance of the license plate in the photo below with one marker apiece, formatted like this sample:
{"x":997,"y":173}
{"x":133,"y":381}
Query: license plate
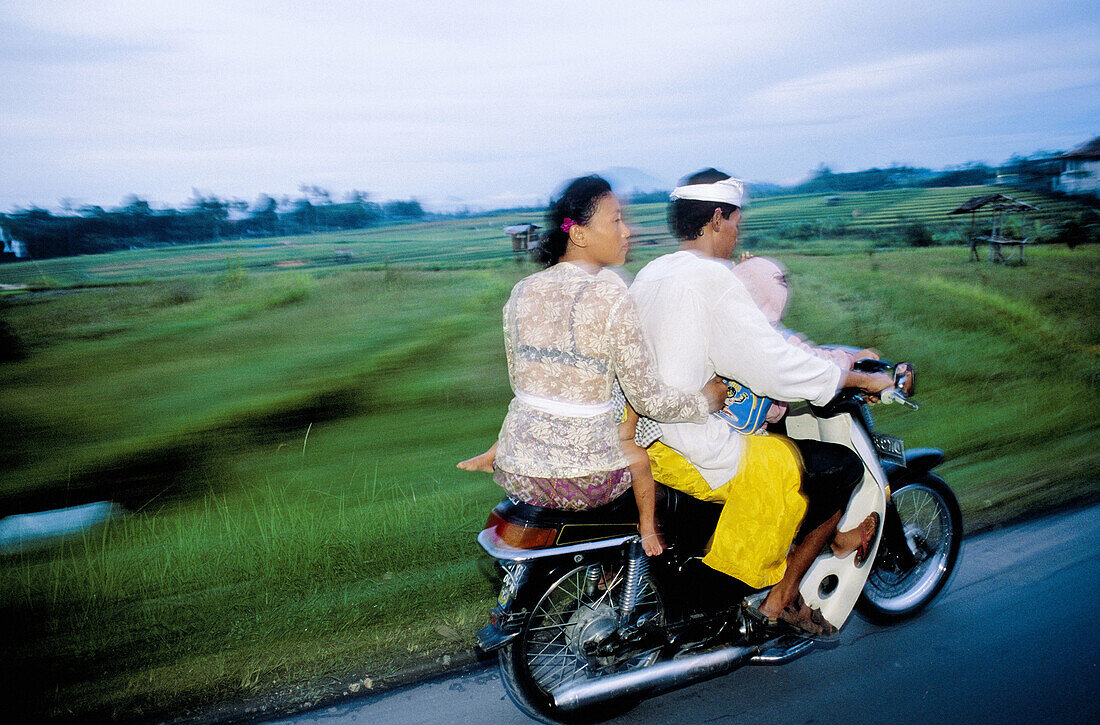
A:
{"x":890,"y":448}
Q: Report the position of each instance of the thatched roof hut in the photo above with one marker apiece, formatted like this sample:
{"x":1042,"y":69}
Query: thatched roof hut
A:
{"x":997,"y":205}
{"x":994,"y":203}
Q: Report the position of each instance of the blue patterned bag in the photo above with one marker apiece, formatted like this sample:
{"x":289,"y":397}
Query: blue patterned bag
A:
{"x":744,"y":410}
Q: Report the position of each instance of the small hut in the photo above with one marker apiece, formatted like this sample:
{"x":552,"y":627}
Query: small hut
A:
{"x":524,"y":236}
{"x":12,"y":246}
{"x":996,"y":205}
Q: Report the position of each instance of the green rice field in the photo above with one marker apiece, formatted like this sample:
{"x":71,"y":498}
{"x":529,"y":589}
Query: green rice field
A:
{"x":864,"y":217}
{"x":279,"y":420}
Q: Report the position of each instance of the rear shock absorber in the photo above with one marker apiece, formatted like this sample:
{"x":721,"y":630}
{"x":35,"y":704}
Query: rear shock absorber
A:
{"x":637,"y":567}
{"x":592,"y":579}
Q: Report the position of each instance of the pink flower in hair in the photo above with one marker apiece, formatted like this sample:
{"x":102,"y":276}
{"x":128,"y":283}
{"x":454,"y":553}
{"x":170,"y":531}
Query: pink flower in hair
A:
{"x":567,"y":225}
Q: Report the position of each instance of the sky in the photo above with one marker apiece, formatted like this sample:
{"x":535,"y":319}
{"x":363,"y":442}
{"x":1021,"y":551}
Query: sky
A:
{"x":496,"y":103}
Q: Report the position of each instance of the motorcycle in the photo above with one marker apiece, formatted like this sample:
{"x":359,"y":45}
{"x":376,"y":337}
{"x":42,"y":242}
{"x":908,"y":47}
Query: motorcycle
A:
{"x":586,"y":624}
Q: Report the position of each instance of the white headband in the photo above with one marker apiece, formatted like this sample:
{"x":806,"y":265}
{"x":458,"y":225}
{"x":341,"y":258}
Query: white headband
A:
{"x":727,"y":191}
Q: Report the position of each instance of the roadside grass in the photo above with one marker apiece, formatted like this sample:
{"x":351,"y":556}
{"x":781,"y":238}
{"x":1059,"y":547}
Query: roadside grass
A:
{"x":307,"y":544}
{"x":299,"y":576}
{"x":1007,"y":358}
{"x":285,"y":441}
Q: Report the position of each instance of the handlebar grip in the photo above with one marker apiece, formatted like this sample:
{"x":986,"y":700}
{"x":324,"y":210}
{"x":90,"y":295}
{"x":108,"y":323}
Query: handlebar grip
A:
{"x":895,"y":395}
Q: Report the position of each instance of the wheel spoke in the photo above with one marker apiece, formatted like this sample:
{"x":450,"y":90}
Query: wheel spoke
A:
{"x":552,"y":651}
{"x":929,"y":524}
{"x":560,"y":626}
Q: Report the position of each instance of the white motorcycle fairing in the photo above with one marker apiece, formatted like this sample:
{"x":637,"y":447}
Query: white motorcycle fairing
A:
{"x":833,"y":584}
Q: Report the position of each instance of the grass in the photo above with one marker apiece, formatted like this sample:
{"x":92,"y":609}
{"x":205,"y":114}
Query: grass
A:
{"x":113,"y":374}
{"x":284,"y":440}
{"x":1007,"y":359}
{"x":322,"y":508}
{"x":288,"y":579}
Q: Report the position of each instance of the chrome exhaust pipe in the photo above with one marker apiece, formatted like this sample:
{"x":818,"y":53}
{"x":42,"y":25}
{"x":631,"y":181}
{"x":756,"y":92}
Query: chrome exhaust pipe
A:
{"x":653,"y":680}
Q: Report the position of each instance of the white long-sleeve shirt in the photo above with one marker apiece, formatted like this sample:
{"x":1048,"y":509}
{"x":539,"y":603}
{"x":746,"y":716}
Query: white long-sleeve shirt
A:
{"x":701,"y":321}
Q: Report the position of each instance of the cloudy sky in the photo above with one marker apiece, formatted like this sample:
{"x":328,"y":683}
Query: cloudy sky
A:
{"x":497,"y":102}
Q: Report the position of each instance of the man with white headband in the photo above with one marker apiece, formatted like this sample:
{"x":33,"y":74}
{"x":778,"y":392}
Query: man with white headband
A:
{"x":701,"y":322}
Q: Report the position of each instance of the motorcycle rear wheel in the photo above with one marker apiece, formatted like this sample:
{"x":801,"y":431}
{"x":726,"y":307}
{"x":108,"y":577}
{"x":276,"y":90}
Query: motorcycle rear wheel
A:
{"x":898,"y":586}
{"x":548,"y":652}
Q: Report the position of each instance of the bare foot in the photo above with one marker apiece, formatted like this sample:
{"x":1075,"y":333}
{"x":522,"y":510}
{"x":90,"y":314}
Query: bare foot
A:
{"x":483,"y":462}
{"x":859,"y":538}
{"x":653,"y":542}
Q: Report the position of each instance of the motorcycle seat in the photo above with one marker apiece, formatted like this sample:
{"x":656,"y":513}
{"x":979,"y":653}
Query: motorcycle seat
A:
{"x":622,"y":510}
{"x":689,"y":519}
{"x":559,"y":528}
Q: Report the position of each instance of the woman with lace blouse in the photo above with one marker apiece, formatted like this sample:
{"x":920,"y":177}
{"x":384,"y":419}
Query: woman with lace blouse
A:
{"x":570,"y":331}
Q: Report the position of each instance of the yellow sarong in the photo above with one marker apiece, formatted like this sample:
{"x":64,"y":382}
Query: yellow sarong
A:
{"x":762,"y":506}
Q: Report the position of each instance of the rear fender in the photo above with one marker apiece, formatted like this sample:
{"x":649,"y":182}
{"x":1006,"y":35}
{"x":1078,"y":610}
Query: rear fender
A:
{"x":533,"y":571}
{"x":502,"y":552}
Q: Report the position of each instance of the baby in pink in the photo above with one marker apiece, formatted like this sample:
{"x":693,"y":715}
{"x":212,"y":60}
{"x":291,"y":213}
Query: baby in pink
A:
{"x":766,"y":281}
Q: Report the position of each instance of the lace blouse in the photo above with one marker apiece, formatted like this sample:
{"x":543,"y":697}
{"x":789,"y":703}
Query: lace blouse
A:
{"x":568,"y":333}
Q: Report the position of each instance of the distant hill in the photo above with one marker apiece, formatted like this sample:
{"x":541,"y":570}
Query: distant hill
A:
{"x":627,"y":181}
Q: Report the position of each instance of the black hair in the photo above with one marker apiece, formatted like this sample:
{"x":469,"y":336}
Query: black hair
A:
{"x":578,"y":202}
{"x":687,"y":217}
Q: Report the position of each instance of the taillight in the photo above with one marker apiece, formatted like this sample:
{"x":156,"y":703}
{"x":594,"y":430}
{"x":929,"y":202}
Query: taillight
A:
{"x":519,"y":536}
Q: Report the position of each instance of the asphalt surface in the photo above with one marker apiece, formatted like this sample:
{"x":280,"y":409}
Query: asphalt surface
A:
{"x":1014,"y":639}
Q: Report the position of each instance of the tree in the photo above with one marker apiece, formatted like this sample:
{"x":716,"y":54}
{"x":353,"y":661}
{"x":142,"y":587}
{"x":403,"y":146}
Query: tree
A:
{"x":410,"y":209}
{"x":303,"y":215}
{"x":209,"y":214}
{"x":264,"y":219}
{"x":138,"y":215}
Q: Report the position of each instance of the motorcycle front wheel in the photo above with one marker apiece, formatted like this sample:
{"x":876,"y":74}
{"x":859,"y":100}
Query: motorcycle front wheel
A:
{"x":577,"y":609}
{"x":918,"y":553}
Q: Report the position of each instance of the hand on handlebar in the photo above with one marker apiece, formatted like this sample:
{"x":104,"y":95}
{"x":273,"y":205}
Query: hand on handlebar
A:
{"x":870,"y":383}
{"x":878,"y":383}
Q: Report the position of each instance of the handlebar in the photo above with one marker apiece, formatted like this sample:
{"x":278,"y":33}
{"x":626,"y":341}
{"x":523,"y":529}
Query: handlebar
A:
{"x":904,"y":382}
{"x":896,"y":395}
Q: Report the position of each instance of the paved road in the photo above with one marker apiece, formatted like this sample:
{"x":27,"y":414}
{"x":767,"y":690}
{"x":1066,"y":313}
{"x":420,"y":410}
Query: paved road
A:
{"x":1015,"y":639}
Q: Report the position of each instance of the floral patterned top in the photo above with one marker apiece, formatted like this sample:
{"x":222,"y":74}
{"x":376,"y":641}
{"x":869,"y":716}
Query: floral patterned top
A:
{"x":569,"y":331}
